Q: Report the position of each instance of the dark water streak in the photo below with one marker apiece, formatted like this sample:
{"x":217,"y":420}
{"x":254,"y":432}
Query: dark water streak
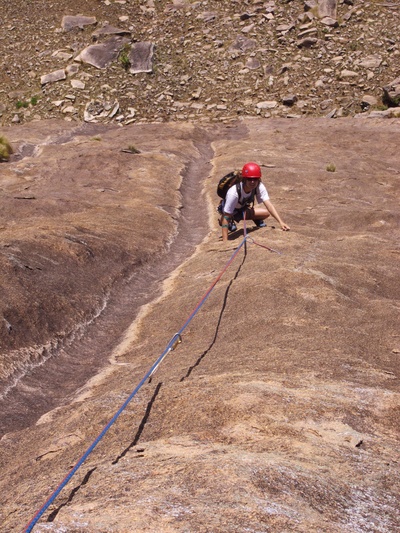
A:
{"x":51,"y":384}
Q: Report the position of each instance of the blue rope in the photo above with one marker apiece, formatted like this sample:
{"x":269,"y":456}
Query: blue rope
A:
{"x":30,"y":526}
{"x":170,"y":346}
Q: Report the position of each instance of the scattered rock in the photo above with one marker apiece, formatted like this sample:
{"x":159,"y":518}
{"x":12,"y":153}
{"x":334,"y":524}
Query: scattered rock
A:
{"x":243,"y":44}
{"x":368,"y":101}
{"x":285,"y":28}
{"x":62,"y":55}
{"x":248,"y":29}
{"x":207,"y":16}
{"x":348,"y":74}
{"x":77,"y":84}
{"x":95,"y":110}
{"x":328,"y":21}
{"x":331,"y":114}
{"x":216,"y":43}
{"x":69,"y":22}
{"x":370,"y":62}
{"x":141,"y":57}
{"x":327,"y":8}
{"x":71,"y":70}
{"x":392,"y":112}
{"x":69,"y":110}
{"x":289,"y":100}
{"x":102,"y":55}
{"x":391,"y":93}
{"x":307,"y":42}
{"x":268,"y":104}
{"x":253,"y":63}
{"x":307,"y":33}
{"x":310,"y":5}
{"x":107,"y":29}
{"x":57,"y":75}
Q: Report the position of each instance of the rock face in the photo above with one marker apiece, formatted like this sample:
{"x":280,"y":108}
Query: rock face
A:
{"x":279,"y":411}
{"x":78,"y":249}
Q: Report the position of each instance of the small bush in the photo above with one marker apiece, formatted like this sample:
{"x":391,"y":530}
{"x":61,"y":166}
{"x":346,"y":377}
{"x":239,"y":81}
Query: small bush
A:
{"x":5,"y":149}
{"x":124,"y":57}
{"x":25,"y":103}
{"x":331,"y":167}
{"x":133,"y":150}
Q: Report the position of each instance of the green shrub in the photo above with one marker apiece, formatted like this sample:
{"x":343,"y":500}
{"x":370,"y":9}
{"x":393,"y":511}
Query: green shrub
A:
{"x":25,"y":103}
{"x":124,"y":57}
{"x":133,"y":150}
{"x":331,"y":167}
{"x":5,"y":149}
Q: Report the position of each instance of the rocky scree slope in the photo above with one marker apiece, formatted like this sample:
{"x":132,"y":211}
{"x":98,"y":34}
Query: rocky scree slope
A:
{"x":197,"y":60}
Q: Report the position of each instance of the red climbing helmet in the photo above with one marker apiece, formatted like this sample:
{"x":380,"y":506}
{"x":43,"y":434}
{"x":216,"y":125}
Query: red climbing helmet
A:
{"x":251,"y":170}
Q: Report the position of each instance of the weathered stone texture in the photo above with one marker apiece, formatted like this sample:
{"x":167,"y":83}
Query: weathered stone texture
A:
{"x":279,"y":410}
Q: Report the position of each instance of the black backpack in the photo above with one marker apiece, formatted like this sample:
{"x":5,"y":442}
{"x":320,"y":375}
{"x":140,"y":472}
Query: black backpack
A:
{"x":227,"y":181}
{"x":233,"y":178}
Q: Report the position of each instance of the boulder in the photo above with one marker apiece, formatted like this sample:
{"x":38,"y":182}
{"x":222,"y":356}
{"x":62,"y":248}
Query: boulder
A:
{"x":243,"y":44}
{"x":373,"y":61}
{"x":102,"y":55}
{"x":327,"y":8}
{"x":57,"y":75}
{"x":307,"y":42}
{"x":253,"y":63}
{"x":268,"y":104}
{"x":329,"y":21}
{"x":391,"y":93}
{"x":107,"y":29}
{"x":367,"y":101}
{"x":289,"y":100}
{"x":69,"y":22}
{"x":141,"y":57}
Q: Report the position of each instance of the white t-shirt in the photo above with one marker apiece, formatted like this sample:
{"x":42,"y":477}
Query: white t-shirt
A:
{"x":232,"y":198}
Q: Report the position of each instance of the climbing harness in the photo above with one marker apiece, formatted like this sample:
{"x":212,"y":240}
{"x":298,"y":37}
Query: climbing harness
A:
{"x":172,"y":344}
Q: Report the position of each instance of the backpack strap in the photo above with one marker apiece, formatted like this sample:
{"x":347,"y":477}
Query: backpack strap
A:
{"x":254,"y":192}
{"x":239,"y":192}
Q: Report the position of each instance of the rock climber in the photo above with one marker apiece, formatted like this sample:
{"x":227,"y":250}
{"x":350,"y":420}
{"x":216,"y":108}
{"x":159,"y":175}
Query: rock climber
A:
{"x":240,"y":202}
